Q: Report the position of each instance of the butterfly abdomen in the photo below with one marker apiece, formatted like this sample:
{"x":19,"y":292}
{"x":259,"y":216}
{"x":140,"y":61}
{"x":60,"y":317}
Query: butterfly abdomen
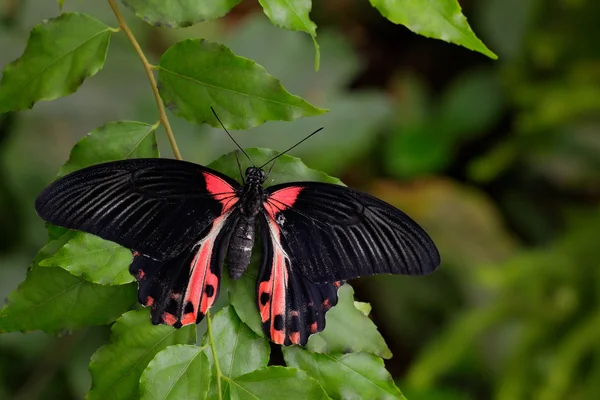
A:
{"x":240,"y":247}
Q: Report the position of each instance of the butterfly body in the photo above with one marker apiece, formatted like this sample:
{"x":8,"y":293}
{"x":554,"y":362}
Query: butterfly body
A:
{"x":184,"y":221}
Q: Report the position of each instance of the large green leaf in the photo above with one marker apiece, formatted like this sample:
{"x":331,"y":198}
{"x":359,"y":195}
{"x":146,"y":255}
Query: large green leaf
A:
{"x":438,"y":19}
{"x":60,"y":54}
{"x":116,"y":368}
{"x":345,"y":376}
{"x":179,"y":13}
{"x":94,"y":259}
{"x":114,"y":141}
{"x":239,"y":350}
{"x":347,"y":329}
{"x":194,"y":75}
{"x":52,"y":300}
{"x":276,"y":383}
{"x":177,"y":372}
{"x":292,"y":15}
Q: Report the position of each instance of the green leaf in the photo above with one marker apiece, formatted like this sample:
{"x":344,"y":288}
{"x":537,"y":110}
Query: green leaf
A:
{"x":116,"y":368}
{"x":177,"y":372}
{"x":438,"y":19}
{"x":363,"y":307}
{"x":113,"y":141}
{"x":194,"y":75}
{"x":52,"y":300}
{"x":275,"y":383}
{"x":348,"y":330}
{"x":94,"y":259}
{"x":345,"y":376}
{"x":287,"y":168}
{"x":60,"y":4}
{"x":239,"y":350}
{"x":292,"y":15}
{"x":60,"y":54}
{"x":179,"y":13}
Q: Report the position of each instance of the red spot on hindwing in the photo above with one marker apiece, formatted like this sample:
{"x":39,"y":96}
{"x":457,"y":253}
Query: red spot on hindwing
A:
{"x":220,"y":190}
{"x":282,"y":199}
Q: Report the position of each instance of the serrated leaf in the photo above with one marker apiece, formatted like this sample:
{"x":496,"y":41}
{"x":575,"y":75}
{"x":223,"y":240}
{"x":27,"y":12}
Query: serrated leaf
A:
{"x":348,"y":330}
{"x":179,"y":13}
{"x":116,"y":368}
{"x":113,"y":141}
{"x":94,"y":259}
{"x":438,"y":19}
{"x":292,"y":15}
{"x":60,"y":54}
{"x":239,"y":350}
{"x":194,"y":75}
{"x":52,"y":300}
{"x":346,"y":376}
{"x":177,"y":372}
{"x":275,"y":383}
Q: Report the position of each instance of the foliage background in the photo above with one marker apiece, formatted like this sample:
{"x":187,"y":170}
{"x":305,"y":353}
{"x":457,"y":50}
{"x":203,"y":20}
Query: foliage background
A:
{"x":499,"y":160}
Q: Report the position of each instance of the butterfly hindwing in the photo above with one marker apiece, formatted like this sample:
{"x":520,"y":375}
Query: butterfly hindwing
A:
{"x":335,"y":233}
{"x":156,"y":206}
{"x":291,"y":307}
{"x":181,"y":290}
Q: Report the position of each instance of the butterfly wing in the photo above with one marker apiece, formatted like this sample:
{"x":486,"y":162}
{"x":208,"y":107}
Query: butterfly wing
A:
{"x":179,"y":291}
{"x":334,"y":233}
{"x":291,"y":307}
{"x":158,"y":207}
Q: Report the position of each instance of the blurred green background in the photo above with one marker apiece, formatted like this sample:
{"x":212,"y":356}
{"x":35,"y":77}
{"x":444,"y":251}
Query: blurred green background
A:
{"x":498,"y":160}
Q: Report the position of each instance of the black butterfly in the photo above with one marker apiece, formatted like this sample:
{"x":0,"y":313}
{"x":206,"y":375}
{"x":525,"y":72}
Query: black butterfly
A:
{"x":182,"y":221}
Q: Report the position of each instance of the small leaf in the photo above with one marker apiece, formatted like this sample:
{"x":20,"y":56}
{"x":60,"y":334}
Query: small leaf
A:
{"x":52,"y":300}
{"x":113,"y":141}
{"x":60,"y":54}
{"x":348,"y":330}
{"x":276,"y":383}
{"x":195,"y":74}
{"x":177,"y":372}
{"x":346,"y":376}
{"x":438,"y":19}
{"x":239,"y":350}
{"x":116,"y":368}
{"x":94,"y":259}
{"x":60,"y":4}
{"x":292,"y":15}
{"x":179,"y":13}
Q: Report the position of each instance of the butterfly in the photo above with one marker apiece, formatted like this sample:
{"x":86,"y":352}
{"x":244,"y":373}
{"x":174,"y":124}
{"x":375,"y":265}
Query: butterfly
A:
{"x":183,"y":221}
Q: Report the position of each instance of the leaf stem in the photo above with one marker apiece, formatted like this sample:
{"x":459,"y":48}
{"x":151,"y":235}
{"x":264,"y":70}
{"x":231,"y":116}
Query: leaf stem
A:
{"x":148,"y":68}
{"x":214,"y":352}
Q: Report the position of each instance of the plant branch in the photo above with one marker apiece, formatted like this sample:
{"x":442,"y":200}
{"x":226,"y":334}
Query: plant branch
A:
{"x":148,"y":68}
{"x":214,"y":352}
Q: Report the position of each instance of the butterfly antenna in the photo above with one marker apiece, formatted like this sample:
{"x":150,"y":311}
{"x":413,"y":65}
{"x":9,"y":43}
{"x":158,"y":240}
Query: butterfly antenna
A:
{"x":231,"y":137}
{"x":239,"y":167}
{"x":270,"y":169}
{"x":294,"y":146}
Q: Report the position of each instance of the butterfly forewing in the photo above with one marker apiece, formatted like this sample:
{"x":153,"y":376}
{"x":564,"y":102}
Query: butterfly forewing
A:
{"x":158,"y":207}
{"x":335,"y":233}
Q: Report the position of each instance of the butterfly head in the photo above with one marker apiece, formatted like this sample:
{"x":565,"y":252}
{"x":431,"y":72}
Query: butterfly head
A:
{"x":255,"y":175}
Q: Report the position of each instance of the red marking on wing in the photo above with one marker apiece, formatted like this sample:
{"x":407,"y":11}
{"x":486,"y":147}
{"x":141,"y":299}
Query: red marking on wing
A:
{"x":149,"y":301}
{"x":313,"y":327}
{"x":136,"y":253}
{"x":282,"y":199}
{"x":188,"y":318}
{"x":140,"y":274}
{"x":201,"y":276}
{"x":169,"y":318}
{"x":220,"y":191}
{"x":276,"y":287}
{"x":295,"y":338}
